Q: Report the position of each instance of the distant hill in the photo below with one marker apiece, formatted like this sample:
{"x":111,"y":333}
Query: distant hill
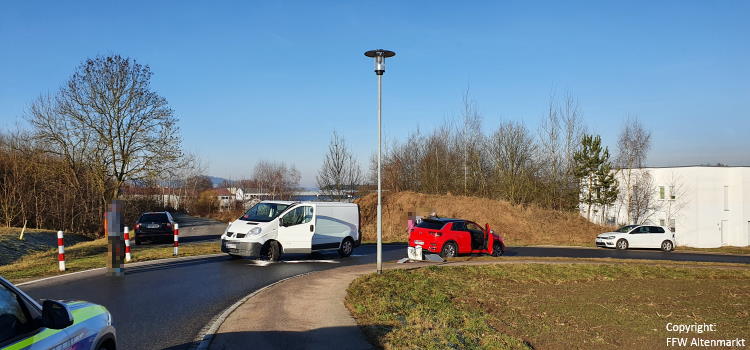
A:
{"x":216,"y":181}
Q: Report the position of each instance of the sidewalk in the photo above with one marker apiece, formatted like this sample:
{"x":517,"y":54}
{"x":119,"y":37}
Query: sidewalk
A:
{"x":305,"y":312}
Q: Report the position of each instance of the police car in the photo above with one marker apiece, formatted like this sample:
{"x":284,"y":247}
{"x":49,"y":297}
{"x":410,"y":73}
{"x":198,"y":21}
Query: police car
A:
{"x":54,"y":325}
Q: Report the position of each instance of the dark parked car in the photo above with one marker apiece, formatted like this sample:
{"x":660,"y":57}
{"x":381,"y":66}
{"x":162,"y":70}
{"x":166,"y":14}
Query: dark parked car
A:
{"x":154,"y":226}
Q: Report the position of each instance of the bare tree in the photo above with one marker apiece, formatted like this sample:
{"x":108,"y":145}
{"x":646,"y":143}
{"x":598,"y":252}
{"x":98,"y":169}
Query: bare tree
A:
{"x":513,"y":153}
{"x":632,"y":147}
{"x":108,"y":112}
{"x":560,"y":135}
{"x":340,"y":173}
{"x":276,"y":179}
{"x":642,"y":205}
{"x":672,"y":200}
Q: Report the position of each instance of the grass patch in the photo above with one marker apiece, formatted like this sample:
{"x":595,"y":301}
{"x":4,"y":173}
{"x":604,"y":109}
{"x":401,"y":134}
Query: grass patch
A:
{"x":35,"y":240}
{"x":556,"y":259}
{"x":547,"y":306}
{"x":90,"y":255}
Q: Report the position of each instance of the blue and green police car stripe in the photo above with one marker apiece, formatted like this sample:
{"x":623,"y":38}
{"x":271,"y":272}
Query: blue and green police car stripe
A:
{"x":81,"y":314}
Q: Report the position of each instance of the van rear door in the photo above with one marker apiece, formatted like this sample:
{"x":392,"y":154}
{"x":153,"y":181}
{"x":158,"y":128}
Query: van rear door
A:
{"x":333,"y":223}
{"x":296,"y":229}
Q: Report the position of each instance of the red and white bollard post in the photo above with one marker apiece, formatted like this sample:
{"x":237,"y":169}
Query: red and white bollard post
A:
{"x":176,"y":239}
{"x":127,"y":244}
{"x":60,"y":251}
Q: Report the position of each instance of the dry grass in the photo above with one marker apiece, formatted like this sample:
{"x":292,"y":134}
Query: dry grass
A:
{"x":35,"y":240}
{"x":90,"y":255}
{"x":547,"y":306}
{"x":519,"y":225}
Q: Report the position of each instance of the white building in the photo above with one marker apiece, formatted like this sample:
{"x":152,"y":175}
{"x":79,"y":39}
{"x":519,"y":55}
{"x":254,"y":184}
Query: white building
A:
{"x":706,"y":206}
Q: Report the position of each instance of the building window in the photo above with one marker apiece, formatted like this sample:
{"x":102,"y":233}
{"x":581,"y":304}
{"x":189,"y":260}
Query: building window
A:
{"x":726,"y":197}
{"x":661,"y":192}
{"x":662,"y":222}
{"x":672,"y":195}
{"x":672,"y":225}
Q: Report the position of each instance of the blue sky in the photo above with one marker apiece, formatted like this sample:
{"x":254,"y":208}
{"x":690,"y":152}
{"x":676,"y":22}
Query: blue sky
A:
{"x":271,"y":80}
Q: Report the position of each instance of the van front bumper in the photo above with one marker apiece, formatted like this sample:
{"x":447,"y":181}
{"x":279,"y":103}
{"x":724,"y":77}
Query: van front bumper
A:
{"x":241,"y":248}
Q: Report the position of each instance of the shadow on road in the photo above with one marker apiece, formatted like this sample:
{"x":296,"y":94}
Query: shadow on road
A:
{"x":345,"y":338}
{"x":172,"y":264}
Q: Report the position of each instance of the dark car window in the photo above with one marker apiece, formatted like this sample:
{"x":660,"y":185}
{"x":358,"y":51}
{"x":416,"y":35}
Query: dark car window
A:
{"x":642,"y":229}
{"x":459,"y":226}
{"x":473,"y":227}
{"x":431,"y":224}
{"x":154,"y":217}
{"x":14,"y":319}
{"x":656,"y":229}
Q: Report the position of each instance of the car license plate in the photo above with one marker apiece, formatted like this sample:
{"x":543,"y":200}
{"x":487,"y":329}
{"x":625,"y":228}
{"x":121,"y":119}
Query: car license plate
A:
{"x":153,"y":226}
{"x":418,"y":242}
{"x":231,"y":246}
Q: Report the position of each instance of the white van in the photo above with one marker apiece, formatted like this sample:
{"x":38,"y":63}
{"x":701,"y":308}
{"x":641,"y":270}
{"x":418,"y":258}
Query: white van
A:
{"x":271,"y":228}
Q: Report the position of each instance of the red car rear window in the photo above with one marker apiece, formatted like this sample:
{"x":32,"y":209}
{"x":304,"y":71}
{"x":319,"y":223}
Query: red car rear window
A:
{"x":431,"y":224}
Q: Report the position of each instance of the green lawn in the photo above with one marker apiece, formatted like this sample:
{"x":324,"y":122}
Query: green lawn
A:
{"x":548,"y":306}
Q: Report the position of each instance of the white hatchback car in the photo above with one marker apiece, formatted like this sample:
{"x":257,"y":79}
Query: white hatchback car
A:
{"x":638,"y":236}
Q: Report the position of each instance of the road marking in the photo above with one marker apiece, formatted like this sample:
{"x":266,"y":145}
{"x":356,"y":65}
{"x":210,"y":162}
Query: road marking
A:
{"x":266,"y":262}
{"x":310,"y":261}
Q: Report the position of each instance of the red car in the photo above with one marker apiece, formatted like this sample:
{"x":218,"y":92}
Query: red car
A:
{"x":450,"y":237}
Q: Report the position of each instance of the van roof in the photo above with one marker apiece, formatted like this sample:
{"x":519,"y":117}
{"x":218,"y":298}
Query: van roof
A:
{"x":339,"y":204}
{"x":278,"y":202}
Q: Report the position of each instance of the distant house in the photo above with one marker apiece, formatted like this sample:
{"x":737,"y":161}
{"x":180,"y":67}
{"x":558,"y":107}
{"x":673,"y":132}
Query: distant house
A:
{"x":705,"y":206}
{"x":165,"y":196}
{"x":225,"y":197}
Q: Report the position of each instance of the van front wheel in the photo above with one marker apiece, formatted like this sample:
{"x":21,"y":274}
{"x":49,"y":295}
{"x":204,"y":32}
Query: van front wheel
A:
{"x":347,"y":247}
{"x":272,"y":251}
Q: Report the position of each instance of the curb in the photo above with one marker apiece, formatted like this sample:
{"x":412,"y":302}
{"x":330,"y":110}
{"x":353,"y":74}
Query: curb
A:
{"x":206,"y":335}
{"x":135,"y":264}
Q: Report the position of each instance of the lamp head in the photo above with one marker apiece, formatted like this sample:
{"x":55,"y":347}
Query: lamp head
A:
{"x":380,"y":55}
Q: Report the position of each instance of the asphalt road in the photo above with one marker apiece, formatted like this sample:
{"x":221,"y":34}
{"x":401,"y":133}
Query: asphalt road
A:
{"x":165,"y":305}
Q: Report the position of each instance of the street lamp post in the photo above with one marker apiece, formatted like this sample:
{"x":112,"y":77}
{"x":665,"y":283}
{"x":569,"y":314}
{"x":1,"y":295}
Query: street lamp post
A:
{"x":379,"y":56}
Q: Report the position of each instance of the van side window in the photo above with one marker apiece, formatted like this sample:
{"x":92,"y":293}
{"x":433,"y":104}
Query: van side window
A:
{"x":299,"y":215}
{"x":308,"y":214}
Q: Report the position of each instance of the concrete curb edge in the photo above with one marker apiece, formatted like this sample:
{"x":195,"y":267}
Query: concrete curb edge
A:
{"x":206,"y":335}
{"x":135,"y":264}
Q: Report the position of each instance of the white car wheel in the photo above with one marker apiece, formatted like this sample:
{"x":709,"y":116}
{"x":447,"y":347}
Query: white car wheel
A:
{"x":622,"y":244}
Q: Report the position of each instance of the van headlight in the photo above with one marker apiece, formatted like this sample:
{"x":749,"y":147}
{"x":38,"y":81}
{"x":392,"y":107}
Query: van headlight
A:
{"x":255,"y":231}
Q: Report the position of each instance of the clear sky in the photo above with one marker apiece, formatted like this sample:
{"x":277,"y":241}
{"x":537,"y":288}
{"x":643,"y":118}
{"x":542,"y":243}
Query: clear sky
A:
{"x":271,"y":79}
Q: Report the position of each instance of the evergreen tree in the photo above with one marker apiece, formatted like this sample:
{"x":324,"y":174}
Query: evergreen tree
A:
{"x":607,"y":187}
{"x":593,"y":170}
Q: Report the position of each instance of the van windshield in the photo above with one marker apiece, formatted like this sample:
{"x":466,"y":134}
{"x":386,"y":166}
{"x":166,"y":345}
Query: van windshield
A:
{"x":264,"y":212}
